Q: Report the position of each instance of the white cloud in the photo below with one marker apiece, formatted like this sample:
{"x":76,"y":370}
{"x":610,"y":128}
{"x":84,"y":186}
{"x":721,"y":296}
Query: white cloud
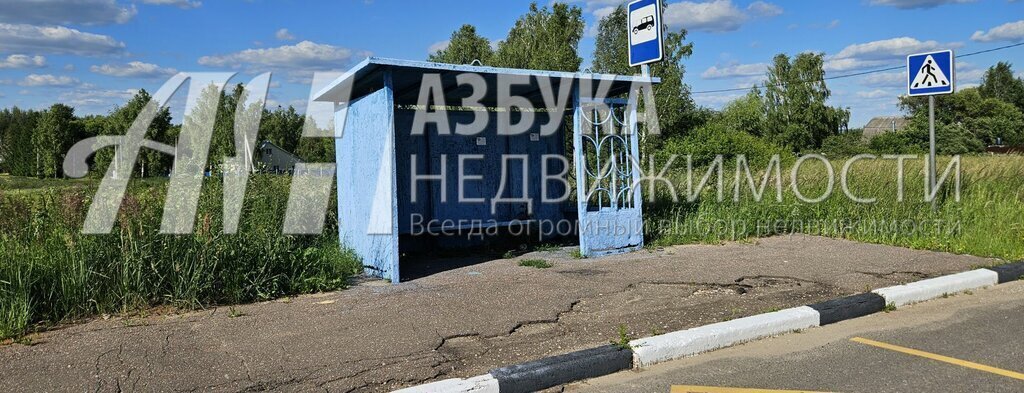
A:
{"x":305,"y":55}
{"x":715,"y":15}
{"x":968,"y":75}
{"x":764,"y":9}
{"x":603,"y":12}
{"x":134,"y":69}
{"x":591,"y":5}
{"x":35,"y":80}
{"x":60,"y":12}
{"x":885,"y":79}
{"x":284,"y":35}
{"x":875,"y":94}
{"x":593,"y":28}
{"x":887,"y":49}
{"x":183,"y":4}
{"x":912,"y":4}
{"x":438,"y":46}
{"x":56,"y":39}
{"x":735,"y":70}
{"x":101,"y":98}
{"x":879,"y":53}
{"x":717,"y":101}
{"x":23,"y":61}
{"x":1013,"y":32}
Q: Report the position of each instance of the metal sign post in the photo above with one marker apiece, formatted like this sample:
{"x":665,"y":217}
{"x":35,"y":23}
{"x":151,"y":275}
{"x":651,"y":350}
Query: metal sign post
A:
{"x":931,"y":74}
{"x":931,"y":148}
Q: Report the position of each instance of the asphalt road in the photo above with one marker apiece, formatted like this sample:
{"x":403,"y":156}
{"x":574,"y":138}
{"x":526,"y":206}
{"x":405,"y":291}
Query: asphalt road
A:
{"x":457,"y":323}
{"x":965,"y":343}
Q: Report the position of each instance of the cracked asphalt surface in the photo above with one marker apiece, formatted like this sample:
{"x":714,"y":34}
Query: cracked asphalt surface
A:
{"x":458,"y":323}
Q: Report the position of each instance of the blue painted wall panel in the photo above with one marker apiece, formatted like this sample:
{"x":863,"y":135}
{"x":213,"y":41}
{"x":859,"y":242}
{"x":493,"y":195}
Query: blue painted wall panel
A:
{"x":429,"y":146}
{"x":366,"y":184}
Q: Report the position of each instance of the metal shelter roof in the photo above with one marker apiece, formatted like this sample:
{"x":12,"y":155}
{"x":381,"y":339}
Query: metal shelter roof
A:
{"x":407,"y":76}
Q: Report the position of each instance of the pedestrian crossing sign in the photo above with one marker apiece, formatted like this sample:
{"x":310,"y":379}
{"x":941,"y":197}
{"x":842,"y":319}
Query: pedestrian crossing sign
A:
{"x":930,"y":73}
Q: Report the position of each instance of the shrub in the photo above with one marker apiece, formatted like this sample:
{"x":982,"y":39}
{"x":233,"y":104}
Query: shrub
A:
{"x":714,"y":139}
{"x":951,"y":139}
{"x":847,"y":144}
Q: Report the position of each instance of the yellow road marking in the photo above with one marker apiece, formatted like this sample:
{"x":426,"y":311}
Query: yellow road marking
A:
{"x":946,"y":359}
{"x":711,"y":389}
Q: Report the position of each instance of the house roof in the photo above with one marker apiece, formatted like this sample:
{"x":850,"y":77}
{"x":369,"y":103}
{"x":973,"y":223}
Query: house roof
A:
{"x":407,"y":75}
{"x":265,"y":143}
{"x":886,"y":122}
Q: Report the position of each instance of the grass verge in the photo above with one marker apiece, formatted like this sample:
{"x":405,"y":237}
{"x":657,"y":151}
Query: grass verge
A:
{"x":987,"y":221}
{"x":51,"y":272}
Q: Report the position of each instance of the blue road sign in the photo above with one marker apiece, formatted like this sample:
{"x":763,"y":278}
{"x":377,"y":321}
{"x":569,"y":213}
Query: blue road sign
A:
{"x":645,"y":44}
{"x":931,"y":73}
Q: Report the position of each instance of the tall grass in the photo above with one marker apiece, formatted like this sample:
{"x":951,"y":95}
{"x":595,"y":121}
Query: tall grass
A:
{"x":50,"y":272}
{"x":987,"y":221}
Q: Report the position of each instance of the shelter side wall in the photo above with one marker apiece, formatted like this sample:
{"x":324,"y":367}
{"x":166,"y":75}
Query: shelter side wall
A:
{"x":366,"y":189}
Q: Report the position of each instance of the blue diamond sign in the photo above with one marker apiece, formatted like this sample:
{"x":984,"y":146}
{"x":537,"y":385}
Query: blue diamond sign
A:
{"x":644,"y":31}
{"x":930,"y":73}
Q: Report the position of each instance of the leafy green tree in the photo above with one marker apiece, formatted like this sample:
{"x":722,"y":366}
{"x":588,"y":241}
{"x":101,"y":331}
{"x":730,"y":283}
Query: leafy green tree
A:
{"x":989,"y":120}
{"x":795,"y":96}
{"x":1000,"y":83}
{"x":745,"y":114}
{"x":151,"y":162}
{"x":17,"y":152}
{"x":282,"y":127}
{"x":677,"y":112}
{"x":205,"y":111}
{"x":52,"y":139}
{"x":611,"y":44}
{"x":464,"y":46}
{"x":316,"y":150}
{"x":222,"y":143}
{"x":949,"y":139}
{"x":544,"y":39}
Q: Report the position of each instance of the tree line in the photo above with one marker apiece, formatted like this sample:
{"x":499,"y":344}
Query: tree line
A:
{"x":788,"y":111}
{"x":34,"y":142}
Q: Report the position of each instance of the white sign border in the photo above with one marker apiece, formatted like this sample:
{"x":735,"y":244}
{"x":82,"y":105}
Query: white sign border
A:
{"x":952,"y":70}
{"x":661,"y":35}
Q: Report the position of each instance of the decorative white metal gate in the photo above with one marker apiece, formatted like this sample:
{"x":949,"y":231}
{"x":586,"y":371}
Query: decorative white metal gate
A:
{"x":607,"y":179}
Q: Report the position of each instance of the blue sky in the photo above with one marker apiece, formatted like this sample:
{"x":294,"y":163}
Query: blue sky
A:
{"x":94,"y":53}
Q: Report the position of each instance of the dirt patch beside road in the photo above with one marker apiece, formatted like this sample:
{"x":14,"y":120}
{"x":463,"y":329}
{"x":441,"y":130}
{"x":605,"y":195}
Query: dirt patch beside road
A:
{"x":458,"y":323}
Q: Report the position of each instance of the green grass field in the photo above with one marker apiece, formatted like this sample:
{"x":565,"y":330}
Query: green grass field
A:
{"x":988,"y":220}
{"x":50,"y":272}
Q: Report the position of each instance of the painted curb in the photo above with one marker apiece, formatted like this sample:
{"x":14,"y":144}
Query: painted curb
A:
{"x":589,"y":363}
{"x":562,"y":369}
{"x":675,"y":345}
{"x":1009,"y":272}
{"x":479,"y":384}
{"x":849,"y":307}
{"x":902,"y":295}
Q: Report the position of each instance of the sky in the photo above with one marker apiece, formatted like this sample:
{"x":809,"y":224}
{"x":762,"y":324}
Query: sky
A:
{"x":94,"y":54}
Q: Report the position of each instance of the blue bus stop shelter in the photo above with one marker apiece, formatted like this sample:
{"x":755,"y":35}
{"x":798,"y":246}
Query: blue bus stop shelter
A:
{"x":397,"y":185}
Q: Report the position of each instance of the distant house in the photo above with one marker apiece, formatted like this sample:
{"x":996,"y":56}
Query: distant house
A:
{"x":274,"y":159}
{"x":884,"y":124}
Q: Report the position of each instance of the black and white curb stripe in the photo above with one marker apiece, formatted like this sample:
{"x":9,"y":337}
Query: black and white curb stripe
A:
{"x":595,"y":362}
